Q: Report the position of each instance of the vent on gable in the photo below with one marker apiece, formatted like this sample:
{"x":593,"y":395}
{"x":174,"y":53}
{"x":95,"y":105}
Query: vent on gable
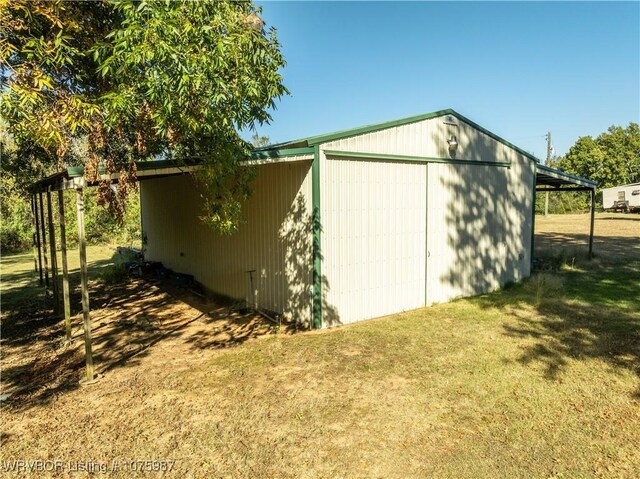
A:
{"x":450,"y":120}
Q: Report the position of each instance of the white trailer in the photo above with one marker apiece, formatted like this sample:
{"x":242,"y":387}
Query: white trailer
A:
{"x":623,"y":197}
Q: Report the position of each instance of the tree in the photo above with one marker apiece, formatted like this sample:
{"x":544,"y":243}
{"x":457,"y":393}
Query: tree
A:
{"x":613,"y":158}
{"x":135,"y":81}
{"x":259,"y":140}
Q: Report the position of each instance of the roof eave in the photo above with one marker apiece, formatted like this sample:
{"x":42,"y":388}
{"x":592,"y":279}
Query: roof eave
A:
{"x":574,"y":179}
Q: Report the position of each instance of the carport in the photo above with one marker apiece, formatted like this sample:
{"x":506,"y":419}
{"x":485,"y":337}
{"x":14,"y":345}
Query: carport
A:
{"x":549,"y":179}
{"x":42,"y":206}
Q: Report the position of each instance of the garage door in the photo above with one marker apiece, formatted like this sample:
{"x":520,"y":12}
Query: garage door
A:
{"x":373,"y":238}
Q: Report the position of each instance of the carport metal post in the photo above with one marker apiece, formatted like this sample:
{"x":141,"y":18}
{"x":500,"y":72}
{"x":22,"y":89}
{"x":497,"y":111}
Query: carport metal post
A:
{"x":44,"y":245}
{"x":593,"y":212}
{"x":33,"y":237}
{"x":34,"y":202}
{"x":65,"y":268}
{"x":54,"y":258}
{"x":86,"y":319}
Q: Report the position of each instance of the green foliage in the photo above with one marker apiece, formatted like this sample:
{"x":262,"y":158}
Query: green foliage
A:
{"x":15,"y":207}
{"x":611,"y":159}
{"x":16,"y":230}
{"x":47,"y":77}
{"x":563,"y":203}
{"x":259,"y":140}
{"x":137,"y":81}
{"x":100,"y":226}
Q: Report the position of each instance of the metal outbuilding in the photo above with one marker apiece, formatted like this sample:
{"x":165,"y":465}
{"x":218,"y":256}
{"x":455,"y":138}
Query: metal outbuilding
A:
{"x":355,"y":224}
{"x":364,"y":222}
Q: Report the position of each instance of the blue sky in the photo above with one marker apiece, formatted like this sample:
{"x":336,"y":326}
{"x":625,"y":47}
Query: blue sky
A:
{"x":518,"y":69}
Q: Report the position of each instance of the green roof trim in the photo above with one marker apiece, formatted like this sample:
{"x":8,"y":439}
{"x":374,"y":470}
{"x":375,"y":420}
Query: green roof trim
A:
{"x":338,"y":135}
{"x":76,"y":171}
{"x":264,"y":154}
{"x":418,"y":159}
{"x":561,"y":175}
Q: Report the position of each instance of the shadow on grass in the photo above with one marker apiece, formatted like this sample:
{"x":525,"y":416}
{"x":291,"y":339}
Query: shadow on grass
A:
{"x":608,"y":249}
{"x":129,"y":320}
{"x":589,"y":312}
{"x":625,"y":217}
{"x":27,"y":311}
{"x":31,"y":331}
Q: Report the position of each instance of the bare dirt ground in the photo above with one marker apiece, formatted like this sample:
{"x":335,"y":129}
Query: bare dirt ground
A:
{"x":540,"y":380}
{"x":142,"y":323}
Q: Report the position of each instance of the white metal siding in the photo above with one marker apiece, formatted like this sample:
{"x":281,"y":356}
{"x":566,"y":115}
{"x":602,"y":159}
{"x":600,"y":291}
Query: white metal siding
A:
{"x":479,"y":228}
{"x":373,"y":238}
{"x":275,"y":240}
{"x":427,"y":138}
{"x":379,"y":219}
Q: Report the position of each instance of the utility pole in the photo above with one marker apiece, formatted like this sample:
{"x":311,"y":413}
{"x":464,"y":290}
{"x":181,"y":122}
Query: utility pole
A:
{"x":546,"y":195}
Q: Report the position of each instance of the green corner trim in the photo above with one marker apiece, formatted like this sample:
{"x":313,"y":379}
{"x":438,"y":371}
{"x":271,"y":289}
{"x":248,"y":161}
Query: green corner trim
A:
{"x":317,"y":230}
{"x":533,"y":216}
{"x":418,"y":159}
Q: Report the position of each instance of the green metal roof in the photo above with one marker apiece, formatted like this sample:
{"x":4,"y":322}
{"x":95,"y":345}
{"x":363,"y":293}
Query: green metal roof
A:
{"x":263,"y":154}
{"x":338,"y":135}
{"x":554,"y":177}
{"x":306,"y":146}
{"x":77,"y":171}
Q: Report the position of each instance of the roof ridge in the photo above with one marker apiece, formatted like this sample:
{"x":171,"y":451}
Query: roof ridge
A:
{"x":347,"y":133}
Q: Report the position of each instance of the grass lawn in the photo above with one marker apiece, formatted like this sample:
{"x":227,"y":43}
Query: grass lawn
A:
{"x":539,"y":380}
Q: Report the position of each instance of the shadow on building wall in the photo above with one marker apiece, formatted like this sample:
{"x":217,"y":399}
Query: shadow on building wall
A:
{"x":579,"y":320}
{"x":296,"y":235}
{"x":487,"y":217}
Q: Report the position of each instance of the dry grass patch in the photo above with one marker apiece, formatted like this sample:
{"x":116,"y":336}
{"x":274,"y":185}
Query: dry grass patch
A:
{"x":539,"y":380}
